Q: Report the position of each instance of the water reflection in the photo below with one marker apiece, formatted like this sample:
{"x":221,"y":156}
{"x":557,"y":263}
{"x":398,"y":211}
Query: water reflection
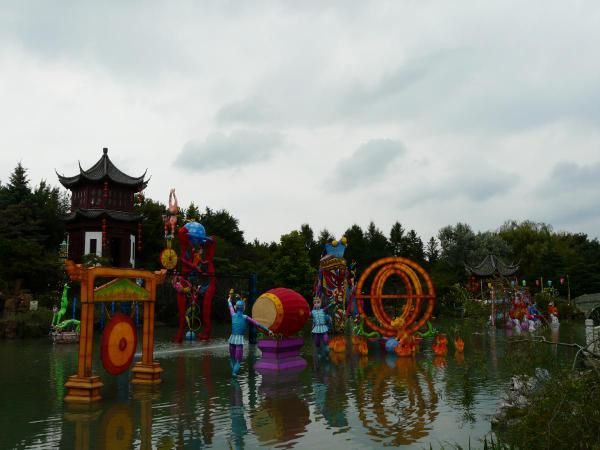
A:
{"x":347,"y":401}
{"x":282,"y":416}
{"x":330,"y":392}
{"x":397,"y":402}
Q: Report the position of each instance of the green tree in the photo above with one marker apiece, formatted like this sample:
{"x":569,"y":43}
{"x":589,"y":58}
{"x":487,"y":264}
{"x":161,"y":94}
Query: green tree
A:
{"x":414,"y":247}
{"x":397,"y":239}
{"x":291,"y":266}
{"x":432,"y":252}
{"x":192,"y":213}
{"x":221,"y":223}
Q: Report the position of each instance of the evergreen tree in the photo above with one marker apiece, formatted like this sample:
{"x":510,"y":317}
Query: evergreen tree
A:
{"x":18,"y":185}
{"x":377,"y":244}
{"x":414,"y":247}
{"x":432,"y":253}
{"x":192,"y":213}
{"x":397,"y":239}
{"x":357,"y":245}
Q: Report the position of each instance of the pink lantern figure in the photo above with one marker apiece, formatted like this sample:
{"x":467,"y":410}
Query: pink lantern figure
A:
{"x":562,"y":280}
{"x":537,"y":282}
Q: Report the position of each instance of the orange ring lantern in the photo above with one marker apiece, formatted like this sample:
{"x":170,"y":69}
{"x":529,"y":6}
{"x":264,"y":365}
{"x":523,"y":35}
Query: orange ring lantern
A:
{"x":419,"y":296}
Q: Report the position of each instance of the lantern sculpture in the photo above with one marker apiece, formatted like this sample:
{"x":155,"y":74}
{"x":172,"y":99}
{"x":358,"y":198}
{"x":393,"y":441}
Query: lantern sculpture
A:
{"x":119,"y":338}
{"x":336,"y":284}
{"x":418,"y":297}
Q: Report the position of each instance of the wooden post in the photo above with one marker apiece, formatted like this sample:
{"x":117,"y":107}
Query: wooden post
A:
{"x":148,"y":371}
{"x":85,"y":387}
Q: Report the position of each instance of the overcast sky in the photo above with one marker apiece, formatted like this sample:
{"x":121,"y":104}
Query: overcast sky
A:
{"x":425,"y":112}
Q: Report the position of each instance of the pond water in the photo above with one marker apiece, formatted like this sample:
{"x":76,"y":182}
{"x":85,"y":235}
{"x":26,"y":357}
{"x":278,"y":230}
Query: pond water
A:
{"x":340,"y":402}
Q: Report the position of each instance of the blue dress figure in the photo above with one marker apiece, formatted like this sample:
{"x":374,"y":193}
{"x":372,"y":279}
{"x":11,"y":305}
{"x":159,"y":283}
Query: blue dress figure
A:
{"x":238,"y":330}
{"x":320,"y":328}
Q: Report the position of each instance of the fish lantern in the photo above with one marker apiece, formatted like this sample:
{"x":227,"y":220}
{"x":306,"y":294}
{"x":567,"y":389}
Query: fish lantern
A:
{"x":440,"y":344}
{"x":459,"y":344}
{"x":337,"y":344}
{"x":406,"y":345}
{"x":359,"y":344}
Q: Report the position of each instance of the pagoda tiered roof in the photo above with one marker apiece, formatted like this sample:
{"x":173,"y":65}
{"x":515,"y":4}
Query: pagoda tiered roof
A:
{"x":492,"y":265}
{"x":103,"y":169}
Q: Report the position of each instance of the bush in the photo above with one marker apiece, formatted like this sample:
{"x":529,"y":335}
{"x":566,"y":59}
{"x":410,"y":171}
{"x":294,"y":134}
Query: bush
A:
{"x":30,"y":324}
{"x":563,"y":413}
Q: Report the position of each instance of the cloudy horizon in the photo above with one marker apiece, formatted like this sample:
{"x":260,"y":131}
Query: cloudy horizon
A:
{"x":424,"y":112}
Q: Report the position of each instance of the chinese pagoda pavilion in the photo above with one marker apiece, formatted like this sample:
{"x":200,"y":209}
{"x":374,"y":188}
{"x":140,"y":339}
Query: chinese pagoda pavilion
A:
{"x":102,"y":220}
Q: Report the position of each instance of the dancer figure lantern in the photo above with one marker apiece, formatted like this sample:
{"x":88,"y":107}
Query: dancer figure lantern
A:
{"x":335,"y":284}
{"x":416,"y":302}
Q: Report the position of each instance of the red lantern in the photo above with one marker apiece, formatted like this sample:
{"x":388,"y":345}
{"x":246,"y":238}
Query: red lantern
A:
{"x":105,"y":194}
{"x":139,"y":240}
{"x":104,"y":231}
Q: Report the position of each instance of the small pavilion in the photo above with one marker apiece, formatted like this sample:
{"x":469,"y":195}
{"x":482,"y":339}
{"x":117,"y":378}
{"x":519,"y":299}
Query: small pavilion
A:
{"x":102,"y":220}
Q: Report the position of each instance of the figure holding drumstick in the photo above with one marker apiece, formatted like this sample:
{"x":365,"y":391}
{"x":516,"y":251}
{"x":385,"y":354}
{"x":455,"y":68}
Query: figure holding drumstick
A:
{"x":238,"y":329}
{"x":320,"y":328}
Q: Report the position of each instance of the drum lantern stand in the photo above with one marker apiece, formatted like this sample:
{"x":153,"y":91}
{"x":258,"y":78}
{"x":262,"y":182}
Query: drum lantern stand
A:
{"x":284,"y":311}
{"x":84,"y":387}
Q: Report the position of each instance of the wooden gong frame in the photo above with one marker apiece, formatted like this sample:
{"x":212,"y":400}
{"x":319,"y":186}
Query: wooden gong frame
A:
{"x":84,"y":387}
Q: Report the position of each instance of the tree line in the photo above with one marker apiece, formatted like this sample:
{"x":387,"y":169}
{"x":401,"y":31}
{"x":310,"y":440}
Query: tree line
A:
{"x":31,"y":232}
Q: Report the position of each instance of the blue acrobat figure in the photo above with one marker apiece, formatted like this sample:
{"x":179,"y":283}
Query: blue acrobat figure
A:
{"x":320,"y":325}
{"x":238,"y":330}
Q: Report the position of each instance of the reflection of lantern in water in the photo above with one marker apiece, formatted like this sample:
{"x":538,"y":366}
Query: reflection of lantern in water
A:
{"x":282,"y":415}
{"x":440,"y":345}
{"x":418,"y":300}
{"x":459,"y":344}
{"x":116,"y":428}
{"x":280,"y":419}
{"x":397,"y":404}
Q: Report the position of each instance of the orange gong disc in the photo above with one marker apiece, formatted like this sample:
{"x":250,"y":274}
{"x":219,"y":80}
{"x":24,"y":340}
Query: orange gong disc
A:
{"x":119,"y":342}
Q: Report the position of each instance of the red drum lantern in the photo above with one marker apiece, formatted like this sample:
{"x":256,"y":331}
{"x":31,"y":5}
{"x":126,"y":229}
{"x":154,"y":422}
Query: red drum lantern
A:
{"x":284,"y":311}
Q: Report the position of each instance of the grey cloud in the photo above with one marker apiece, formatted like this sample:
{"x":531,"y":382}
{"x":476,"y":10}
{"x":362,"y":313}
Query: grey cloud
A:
{"x":477,"y":184}
{"x":367,"y":164}
{"x":570,"y":194}
{"x":568,"y":177}
{"x":247,"y":111}
{"x":224,"y":151}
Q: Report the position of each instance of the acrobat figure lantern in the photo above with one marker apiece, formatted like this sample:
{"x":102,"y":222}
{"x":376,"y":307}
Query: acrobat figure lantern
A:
{"x":197,"y":253}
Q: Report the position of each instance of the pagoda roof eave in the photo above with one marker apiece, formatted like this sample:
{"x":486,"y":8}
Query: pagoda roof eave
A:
{"x":492,"y":265}
{"x":104,"y":169}
{"x":121,"y":216}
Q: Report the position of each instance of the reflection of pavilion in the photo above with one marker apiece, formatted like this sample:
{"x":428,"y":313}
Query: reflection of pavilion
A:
{"x":397,"y":404}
